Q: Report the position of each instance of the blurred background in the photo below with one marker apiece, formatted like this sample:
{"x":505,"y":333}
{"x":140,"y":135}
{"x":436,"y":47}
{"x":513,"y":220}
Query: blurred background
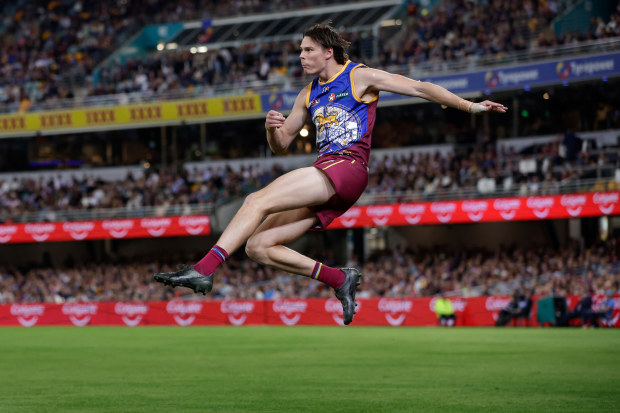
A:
{"x":119,"y":118}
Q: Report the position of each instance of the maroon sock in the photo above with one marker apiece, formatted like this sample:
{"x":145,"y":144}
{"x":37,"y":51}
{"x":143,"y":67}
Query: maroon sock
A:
{"x":209,"y":263}
{"x":330,"y":276}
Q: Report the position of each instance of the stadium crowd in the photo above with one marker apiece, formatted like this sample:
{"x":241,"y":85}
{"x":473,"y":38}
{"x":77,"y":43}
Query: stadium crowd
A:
{"x":49,"y":49}
{"x":418,"y":176}
{"x":395,"y":273}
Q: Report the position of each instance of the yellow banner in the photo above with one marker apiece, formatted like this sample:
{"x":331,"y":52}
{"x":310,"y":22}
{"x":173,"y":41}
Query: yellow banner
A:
{"x":127,"y":116}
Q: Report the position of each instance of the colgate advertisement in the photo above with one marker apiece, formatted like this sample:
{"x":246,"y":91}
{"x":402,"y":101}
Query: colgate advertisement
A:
{"x":474,"y":311}
{"x":482,"y":210}
{"x":106,"y":229}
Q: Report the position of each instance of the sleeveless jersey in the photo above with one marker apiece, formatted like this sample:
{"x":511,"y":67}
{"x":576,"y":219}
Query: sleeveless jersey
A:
{"x":343,"y":121}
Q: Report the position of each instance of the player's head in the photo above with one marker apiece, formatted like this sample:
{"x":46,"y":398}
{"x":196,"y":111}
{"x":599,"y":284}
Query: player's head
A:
{"x":328,"y":38}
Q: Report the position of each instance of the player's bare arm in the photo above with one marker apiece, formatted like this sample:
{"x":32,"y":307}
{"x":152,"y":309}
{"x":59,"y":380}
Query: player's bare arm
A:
{"x":281,"y":131}
{"x":369,"y":82}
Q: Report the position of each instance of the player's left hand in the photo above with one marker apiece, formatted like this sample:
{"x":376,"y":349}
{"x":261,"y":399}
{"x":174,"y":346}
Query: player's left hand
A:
{"x":493,"y":107}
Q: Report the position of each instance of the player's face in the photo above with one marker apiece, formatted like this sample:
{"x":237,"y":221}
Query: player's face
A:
{"x":313,"y":56}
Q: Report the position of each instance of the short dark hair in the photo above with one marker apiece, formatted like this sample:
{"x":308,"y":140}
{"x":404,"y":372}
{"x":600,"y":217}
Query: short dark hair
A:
{"x":325,"y":35}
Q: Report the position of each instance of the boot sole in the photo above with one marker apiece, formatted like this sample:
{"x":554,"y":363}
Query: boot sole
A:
{"x":204,"y":289}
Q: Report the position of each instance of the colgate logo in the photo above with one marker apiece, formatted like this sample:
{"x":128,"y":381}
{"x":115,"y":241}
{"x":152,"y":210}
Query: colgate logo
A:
{"x":131,"y":314}
{"x":7,"y":232}
{"x":194,"y":225}
{"x":155,"y":226}
{"x":380,"y":214}
{"x":79,"y":313}
{"x":237,"y":311}
{"x":540,"y":206}
{"x":40,"y":232}
{"x":289,"y":311}
{"x":27,"y":314}
{"x":496,"y":303}
{"x":605,"y":201}
{"x":78,"y":230}
{"x":475,"y":209}
{"x":412,"y":212}
{"x":350,"y":217}
{"x":395,"y":311}
{"x":184,"y":313}
{"x":573,"y":204}
{"x":458,"y":305}
{"x":507,"y":208}
{"x":118,"y":228}
{"x":443,"y":210}
{"x":334,"y":307}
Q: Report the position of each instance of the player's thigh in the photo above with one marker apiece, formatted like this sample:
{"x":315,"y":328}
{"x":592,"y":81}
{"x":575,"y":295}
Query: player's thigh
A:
{"x":299,"y":188}
{"x":282,"y":227}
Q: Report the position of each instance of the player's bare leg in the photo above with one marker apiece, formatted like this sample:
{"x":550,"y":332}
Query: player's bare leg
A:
{"x":265,"y":246}
{"x":296,"y":189}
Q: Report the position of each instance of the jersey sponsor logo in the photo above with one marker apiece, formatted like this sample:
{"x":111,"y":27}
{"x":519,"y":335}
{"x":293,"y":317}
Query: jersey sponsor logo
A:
{"x":79,"y":313}
{"x":573,"y":204}
{"x":7,"y":232}
{"x":40,"y":232}
{"x":78,"y":230}
{"x":380,"y":214}
{"x":475,"y":209}
{"x":130,"y":313}
{"x":334,"y":308}
{"x":184,"y":313}
{"x":338,"y":96}
{"x":395,"y":311}
{"x":325,"y":89}
{"x":289,"y":311}
{"x":443,"y":210}
{"x":314,"y":102}
{"x":606,"y":202}
{"x":118,"y":228}
{"x":540,"y":205}
{"x":237,"y":311}
{"x":27,"y":314}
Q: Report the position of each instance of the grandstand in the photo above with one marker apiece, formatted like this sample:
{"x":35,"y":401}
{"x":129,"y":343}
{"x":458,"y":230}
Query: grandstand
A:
{"x":132,"y":131}
{"x":154,"y":110}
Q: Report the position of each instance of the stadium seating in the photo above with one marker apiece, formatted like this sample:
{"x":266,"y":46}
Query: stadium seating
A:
{"x":391,"y":273}
{"x":51,"y":49}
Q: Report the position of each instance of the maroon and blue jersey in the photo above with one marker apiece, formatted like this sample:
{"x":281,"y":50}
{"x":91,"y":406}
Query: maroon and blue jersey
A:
{"x":343,"y":121}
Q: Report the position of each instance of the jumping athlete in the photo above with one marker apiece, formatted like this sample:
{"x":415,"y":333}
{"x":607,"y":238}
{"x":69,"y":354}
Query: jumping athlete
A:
{"x":342,"y":103}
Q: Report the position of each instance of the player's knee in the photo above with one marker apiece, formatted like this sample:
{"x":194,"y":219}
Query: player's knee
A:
{"x":255,"y":250}
{"x":257,"y":201}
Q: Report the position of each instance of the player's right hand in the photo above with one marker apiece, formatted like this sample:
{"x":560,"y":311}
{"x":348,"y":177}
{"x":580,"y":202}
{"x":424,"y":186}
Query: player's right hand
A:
{"x":274,"y":120}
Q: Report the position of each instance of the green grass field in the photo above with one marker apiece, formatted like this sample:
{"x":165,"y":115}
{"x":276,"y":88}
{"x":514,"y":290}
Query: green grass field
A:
{"x":308,"y":369}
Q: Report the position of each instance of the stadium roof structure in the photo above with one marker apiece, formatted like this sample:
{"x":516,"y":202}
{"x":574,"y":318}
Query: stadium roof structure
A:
{"x":262,"y":28}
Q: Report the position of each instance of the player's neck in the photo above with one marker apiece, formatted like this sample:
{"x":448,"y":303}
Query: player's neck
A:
{"x":331,"y":69}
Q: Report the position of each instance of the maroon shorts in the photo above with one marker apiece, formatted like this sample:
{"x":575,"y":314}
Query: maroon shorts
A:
{"x":349,"y":176}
